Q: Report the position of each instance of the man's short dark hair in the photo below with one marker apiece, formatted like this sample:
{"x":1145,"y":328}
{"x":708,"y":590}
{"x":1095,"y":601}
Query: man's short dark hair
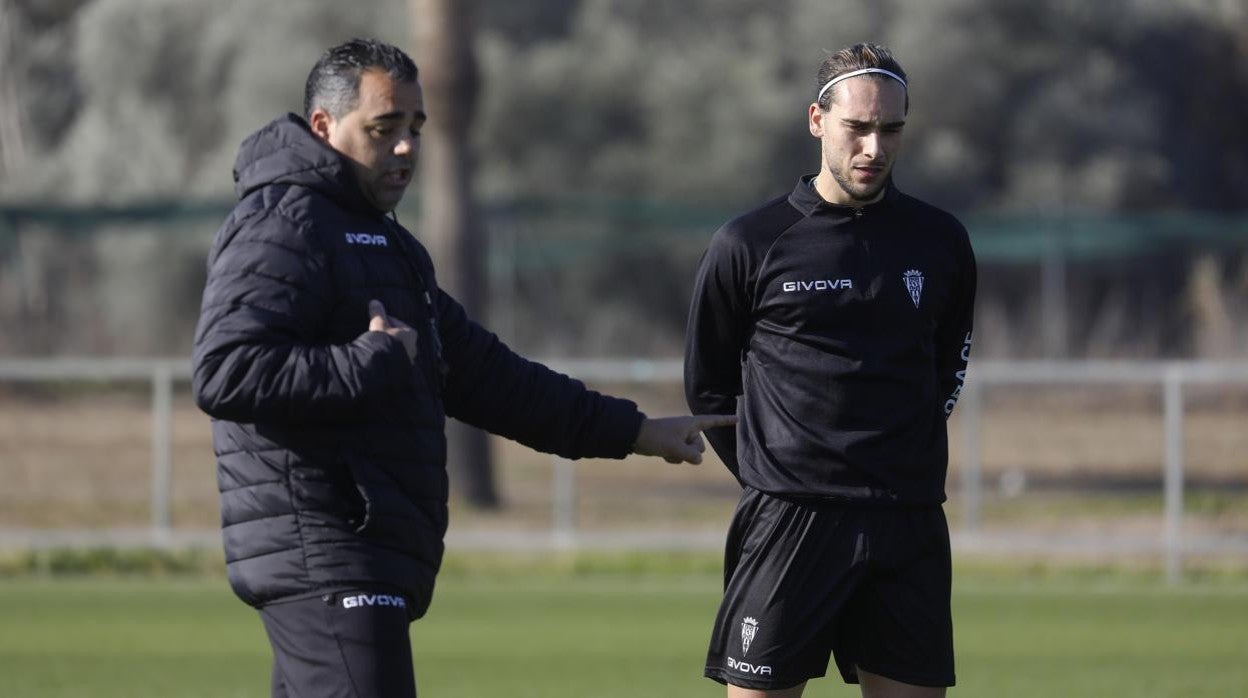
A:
{"x":334,"y":83}
{"x":857,"y":57}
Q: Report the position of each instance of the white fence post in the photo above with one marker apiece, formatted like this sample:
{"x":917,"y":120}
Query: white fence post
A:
{"x":563,"y":514}
{"x":1172,"y":536}
{"x":162,"y":450}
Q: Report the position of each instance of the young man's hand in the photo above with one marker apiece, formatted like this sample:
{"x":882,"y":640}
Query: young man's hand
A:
{"x":380,"y":322}
{"x":678,"y":439}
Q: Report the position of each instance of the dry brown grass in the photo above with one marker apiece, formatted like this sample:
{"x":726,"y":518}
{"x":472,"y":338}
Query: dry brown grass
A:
{"x":1090,"y":460}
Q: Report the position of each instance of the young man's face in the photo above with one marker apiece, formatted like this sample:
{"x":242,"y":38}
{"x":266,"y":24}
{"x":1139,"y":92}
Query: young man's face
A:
{"x":381,"y":136}
{"x":860,"y":135}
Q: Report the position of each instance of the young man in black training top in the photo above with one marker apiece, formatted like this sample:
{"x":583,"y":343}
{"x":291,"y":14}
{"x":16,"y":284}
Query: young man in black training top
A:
{"x":836,"y":322}
{"x":329,"y":359}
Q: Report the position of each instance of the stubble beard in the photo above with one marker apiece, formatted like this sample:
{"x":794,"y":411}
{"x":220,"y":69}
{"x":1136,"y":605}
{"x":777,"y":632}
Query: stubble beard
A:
{"x":864,"y":193}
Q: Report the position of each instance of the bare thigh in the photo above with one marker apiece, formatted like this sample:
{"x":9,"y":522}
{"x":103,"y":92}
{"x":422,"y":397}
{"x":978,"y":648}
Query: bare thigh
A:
{"x":738,"y":692}
{"x":876,"y":686}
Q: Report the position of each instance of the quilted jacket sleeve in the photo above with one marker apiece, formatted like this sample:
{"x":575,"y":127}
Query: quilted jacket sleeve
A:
{"x":492,"y":387}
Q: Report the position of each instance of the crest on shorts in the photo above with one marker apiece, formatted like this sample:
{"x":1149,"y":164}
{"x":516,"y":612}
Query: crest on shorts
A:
{"x":914,"y":284}
{"x":749,"y":626}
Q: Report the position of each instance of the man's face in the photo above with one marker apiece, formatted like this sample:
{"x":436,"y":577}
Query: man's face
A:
{"x":381,"y":136}
{"x":860,"y":135}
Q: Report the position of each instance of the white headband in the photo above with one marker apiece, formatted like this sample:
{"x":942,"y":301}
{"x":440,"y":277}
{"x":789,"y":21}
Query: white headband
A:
{"x":854,"y":73}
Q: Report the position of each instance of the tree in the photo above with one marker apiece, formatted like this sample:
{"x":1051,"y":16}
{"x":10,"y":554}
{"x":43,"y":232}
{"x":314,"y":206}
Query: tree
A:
{"x":12,"y":138}
{"x":450,"y":223}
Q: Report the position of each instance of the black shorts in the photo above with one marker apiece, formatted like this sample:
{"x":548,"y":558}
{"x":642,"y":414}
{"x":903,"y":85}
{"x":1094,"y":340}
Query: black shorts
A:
{"x":346,"y":643}
{"x":803,"y":580}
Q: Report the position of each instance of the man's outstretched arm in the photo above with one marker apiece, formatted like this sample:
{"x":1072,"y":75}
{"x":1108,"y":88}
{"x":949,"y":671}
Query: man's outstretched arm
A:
{"x":678,"y":439}
{"x":492,"y":387}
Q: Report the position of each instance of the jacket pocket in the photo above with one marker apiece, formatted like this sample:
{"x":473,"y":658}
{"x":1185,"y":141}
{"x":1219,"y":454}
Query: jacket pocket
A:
{"x":390,"y":515}
{"x":384,"y":510}
{"x":368,"y":492}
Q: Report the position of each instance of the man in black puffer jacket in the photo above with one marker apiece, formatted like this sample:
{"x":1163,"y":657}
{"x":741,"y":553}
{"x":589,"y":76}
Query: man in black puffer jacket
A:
{"x":329,"y":358}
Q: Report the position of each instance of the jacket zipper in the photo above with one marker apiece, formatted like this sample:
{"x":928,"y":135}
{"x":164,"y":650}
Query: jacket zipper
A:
{"x":435,"y":337}
{"x":864,"y":245}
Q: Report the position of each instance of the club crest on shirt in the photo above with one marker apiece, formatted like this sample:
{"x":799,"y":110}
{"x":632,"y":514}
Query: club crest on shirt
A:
{"x":749,"y":627}
{"x":914,"y":284}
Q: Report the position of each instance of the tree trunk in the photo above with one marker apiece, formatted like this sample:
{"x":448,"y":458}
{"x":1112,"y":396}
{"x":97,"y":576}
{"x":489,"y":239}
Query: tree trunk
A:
{"x":12,"y":133}
{"x":445,"y":56}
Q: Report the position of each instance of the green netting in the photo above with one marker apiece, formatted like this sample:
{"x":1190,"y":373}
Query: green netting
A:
{"x":561,"y":231}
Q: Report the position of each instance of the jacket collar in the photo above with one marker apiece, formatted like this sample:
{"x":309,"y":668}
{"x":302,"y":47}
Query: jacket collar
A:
{"x":285,"y":151}
{"x":807,"y":200}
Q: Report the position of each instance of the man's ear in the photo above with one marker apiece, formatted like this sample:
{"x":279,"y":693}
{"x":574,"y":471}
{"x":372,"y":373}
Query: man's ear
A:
{"x":320,"y":121}
{"x":815,"y":120}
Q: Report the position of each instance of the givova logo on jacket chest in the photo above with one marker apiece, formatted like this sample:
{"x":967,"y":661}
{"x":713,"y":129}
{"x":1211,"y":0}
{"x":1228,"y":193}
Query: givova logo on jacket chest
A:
{"x":367,"y":239}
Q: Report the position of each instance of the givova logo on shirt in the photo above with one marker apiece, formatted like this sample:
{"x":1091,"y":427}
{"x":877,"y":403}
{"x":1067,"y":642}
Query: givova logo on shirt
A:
{"x":817,"y":285}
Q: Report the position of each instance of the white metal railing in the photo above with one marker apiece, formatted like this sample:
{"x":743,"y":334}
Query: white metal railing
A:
{"x":162,"y":373}
{"x":1171,"y":376}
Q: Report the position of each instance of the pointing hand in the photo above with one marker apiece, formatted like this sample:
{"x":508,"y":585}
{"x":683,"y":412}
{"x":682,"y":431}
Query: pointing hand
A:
{"x":380,"y":322}
{"x":678,"y":439}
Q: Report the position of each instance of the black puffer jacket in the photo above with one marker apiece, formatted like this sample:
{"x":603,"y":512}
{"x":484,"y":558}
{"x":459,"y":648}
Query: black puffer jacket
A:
{"x":330,"y":447}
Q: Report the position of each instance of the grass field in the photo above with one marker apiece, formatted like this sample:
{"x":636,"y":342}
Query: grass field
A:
{"x":631,"y":627}
{"x":551,"y":631}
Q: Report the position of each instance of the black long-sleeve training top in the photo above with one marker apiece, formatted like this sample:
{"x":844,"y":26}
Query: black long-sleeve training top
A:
{"x":840,"y":337}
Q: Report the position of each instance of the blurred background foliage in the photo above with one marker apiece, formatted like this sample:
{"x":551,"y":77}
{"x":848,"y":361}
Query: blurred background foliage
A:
{"x":614,"y":137}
